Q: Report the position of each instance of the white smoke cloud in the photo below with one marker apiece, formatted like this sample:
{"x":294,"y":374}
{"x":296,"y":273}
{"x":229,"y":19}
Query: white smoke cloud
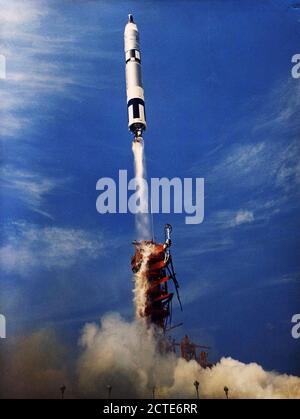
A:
{"x":245,"y":381}
{"x":125,"y":356}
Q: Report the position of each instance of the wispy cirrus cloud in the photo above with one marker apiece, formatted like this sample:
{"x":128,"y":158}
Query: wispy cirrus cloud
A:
{"x":17,"y":18}
{"x":46,"y":55}
{"x":227,"y":219}
{"x":28,"y":246}
{"x":16,"y":12}
{"x":265,"y":163}
{"x":260,"y":165}
{"x":29,"y":188}
{"x":281,"y":109}
{"x":218,"y":230}
{"x":243,"y":217}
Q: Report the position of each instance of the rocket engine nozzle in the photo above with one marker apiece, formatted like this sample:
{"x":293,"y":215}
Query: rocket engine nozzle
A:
{"x":138,"y":136}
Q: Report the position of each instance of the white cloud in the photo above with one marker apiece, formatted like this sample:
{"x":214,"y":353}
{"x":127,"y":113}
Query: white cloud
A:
{"x":246,"y":157}
{"x":227,"y":219}
{"x":29,"y":246}
{"x":28,"y":187}
{"x":243,"y":165}
{"x":243,"y":217}
{"x":268,"y":172}
{"x":18,"y":19}
{"x":264,"y":166}
{"x":46,"y":54}
{"x":18,"y":12}
{"x":281,"y":108}
{"x":288,"y":167}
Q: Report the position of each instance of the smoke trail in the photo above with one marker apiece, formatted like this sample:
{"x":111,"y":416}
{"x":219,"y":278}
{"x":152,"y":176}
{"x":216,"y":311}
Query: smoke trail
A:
{"x":142,"y":219}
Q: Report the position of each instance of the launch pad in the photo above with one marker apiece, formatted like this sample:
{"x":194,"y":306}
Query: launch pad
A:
{"x":155,"y":262}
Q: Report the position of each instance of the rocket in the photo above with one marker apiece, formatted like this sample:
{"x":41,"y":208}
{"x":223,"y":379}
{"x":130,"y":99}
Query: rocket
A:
{"x":134,"y":85}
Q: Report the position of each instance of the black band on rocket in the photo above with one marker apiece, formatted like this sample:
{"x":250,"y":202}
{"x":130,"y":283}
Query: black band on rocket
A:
{"x":133,"y":55}
{"x":135,"y":105}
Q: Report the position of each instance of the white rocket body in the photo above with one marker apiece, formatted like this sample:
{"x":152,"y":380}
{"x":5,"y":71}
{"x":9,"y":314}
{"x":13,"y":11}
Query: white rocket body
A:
{"x":134,"y":85}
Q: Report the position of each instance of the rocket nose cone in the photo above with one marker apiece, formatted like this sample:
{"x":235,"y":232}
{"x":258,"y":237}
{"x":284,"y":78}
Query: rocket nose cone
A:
{"x":130,"y":19}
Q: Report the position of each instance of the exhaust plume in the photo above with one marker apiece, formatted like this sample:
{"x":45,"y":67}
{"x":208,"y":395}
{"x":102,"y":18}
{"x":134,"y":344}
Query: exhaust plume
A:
{"x":143,"y":228}
{"x":141,"y":283}
{"x":142,"y":219}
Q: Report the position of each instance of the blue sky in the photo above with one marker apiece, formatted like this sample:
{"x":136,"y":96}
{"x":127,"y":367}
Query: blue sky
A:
{"x":221,"y":104}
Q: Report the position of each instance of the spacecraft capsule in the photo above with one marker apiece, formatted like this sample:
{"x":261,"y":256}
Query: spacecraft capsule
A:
{"x":134,"y":84}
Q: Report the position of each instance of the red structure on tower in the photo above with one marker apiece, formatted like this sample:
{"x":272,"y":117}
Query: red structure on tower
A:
{"x":158,"y":268}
